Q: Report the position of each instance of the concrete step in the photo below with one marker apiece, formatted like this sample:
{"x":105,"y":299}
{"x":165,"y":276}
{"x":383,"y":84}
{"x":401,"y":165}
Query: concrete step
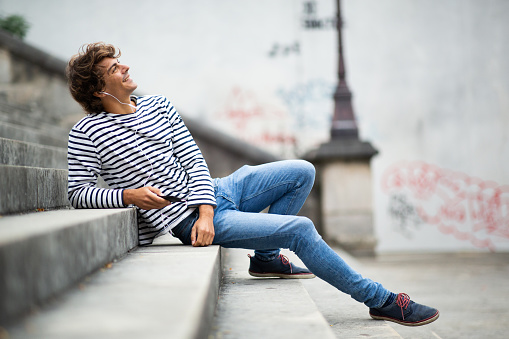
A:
{"x":29,"y":188}
{"x":347,"y":317}
{"x":166,"y":290}
{"x":264,"y":308}
{"x":32,"y":115}
{"x":33,"y":134}
{"x":42,"y":254}
{"x":22,"y":153}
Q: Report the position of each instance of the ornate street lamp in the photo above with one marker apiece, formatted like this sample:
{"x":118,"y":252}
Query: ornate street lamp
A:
{"x":343,"y":165}
{"x":343,"y":121}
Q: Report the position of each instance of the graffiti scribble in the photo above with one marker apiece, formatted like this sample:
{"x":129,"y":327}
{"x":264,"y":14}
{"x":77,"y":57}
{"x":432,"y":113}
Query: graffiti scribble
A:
{"x":249,"y":116}
{"x":468,"y":208}
{"x":404,"y":213}
{"x":311,"y":20}
{"x":284,"y":49}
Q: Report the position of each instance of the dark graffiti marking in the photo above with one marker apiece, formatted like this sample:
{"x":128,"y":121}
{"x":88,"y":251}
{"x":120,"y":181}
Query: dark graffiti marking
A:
{"x":311,"y":20}
{"x":468,"y":208}
{"x":314,"y":23}
{"x":284,"y":50}
{"x":309,"y":7}
{"x":404,"y":214}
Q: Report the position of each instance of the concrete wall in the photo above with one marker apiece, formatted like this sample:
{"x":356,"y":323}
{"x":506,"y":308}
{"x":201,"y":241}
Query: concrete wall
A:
{"x":431,"y":91}
{"x":429,"y":79}
{"x":33,"y":86}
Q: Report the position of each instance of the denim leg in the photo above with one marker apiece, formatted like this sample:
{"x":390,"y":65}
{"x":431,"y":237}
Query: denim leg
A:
{"x":262,"y":231}
{"x":282,"y":185}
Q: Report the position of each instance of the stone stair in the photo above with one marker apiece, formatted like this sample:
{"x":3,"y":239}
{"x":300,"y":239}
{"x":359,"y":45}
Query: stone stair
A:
{"x":55,"y":280}
{"x":29,"y":154}
{"x":77,"y":273}
{"x":43,"y":254}
{"x":45,"y":246}
{"x":20,"y":124}
{"x":162,"y":291}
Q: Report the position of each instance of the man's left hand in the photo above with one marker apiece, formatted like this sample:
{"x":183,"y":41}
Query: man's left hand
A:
{"x":203,"y":232}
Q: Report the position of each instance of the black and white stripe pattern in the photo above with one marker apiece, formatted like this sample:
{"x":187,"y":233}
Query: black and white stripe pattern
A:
{"x":151,"y":147}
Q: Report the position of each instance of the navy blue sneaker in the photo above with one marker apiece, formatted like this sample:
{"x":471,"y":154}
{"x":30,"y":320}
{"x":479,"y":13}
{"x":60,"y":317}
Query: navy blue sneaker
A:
{"x":280,"y":267}
{"x":405,"y":312}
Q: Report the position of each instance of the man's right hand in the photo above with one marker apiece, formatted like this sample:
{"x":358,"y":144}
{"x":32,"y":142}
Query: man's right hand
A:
{"x":145,"y":198}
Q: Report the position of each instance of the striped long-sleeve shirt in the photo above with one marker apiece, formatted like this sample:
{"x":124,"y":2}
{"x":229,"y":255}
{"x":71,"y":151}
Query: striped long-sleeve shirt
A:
{"x":151,"y":147}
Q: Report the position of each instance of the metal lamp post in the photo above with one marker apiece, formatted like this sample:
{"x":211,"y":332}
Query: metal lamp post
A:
{"x":343,"y":121}
{"x":344,"y":173}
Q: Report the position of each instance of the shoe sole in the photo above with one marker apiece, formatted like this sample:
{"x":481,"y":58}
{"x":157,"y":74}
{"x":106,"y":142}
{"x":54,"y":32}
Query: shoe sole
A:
{"x":405,"y":323}
{"x":283,"y":276}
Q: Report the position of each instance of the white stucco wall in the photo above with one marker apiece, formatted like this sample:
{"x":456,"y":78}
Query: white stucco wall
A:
{"x":431,"y":85}
{"x":430,"y":81}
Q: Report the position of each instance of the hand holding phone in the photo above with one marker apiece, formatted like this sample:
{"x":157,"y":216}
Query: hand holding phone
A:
{"x":170,"y":198}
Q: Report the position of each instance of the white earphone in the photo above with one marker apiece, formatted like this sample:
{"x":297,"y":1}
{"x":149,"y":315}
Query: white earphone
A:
{"x":123,"y":103}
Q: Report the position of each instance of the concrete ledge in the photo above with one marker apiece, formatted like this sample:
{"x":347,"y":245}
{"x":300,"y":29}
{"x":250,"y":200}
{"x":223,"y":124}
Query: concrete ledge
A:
{"x":32,"y":54}
{"x":44,"y":253}
{"x":30,"y":188}
{"x":342,"y":149}
{"x":15,"y":131}
{"x":162,"y":291}
{"x":30,"y":114}
{"x":225,"y":154}
{"x":20,"y":153}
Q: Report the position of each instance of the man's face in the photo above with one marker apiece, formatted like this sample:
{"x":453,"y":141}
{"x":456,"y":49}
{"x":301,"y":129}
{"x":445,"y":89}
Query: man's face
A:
{"x":117,"y":80}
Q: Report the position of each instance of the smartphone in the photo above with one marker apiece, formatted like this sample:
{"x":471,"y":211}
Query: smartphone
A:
{"x":170,"y":198}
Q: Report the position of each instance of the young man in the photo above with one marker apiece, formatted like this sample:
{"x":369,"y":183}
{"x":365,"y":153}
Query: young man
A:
{"x":142,"y":149}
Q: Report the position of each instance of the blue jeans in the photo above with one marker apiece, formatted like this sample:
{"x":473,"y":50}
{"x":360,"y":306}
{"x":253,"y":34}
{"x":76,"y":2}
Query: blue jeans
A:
{"x":283,"y":187}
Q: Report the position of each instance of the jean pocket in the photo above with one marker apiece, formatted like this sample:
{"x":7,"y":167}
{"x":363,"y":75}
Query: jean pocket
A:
{"x":183,"y":230}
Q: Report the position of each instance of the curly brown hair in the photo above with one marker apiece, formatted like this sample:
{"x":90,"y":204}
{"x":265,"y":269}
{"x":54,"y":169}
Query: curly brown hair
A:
{"x":85,"y":78}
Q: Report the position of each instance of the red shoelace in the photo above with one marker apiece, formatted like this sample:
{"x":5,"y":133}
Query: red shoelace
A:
{"x":286,"y":261}
{"x":403,"y":300}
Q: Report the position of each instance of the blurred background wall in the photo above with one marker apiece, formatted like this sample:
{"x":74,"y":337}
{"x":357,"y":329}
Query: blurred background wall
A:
{"x":430,"y":84}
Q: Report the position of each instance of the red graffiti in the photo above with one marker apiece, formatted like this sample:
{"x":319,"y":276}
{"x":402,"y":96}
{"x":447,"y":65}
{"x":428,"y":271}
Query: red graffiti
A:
{"x":242,"y":106}
{"x":468,"y":208}
{"x":269,"y":139}
{"x":254,"y":122}
{"x":278,"y":138}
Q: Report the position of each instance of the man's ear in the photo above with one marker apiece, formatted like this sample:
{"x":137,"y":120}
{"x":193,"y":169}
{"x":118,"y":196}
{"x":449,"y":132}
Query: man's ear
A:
{"x":99,"y":94}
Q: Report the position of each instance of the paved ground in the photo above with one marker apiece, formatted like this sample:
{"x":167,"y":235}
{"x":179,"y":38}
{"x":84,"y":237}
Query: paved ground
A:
{"x":471,"y":291}
{"x":253,"y":308}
